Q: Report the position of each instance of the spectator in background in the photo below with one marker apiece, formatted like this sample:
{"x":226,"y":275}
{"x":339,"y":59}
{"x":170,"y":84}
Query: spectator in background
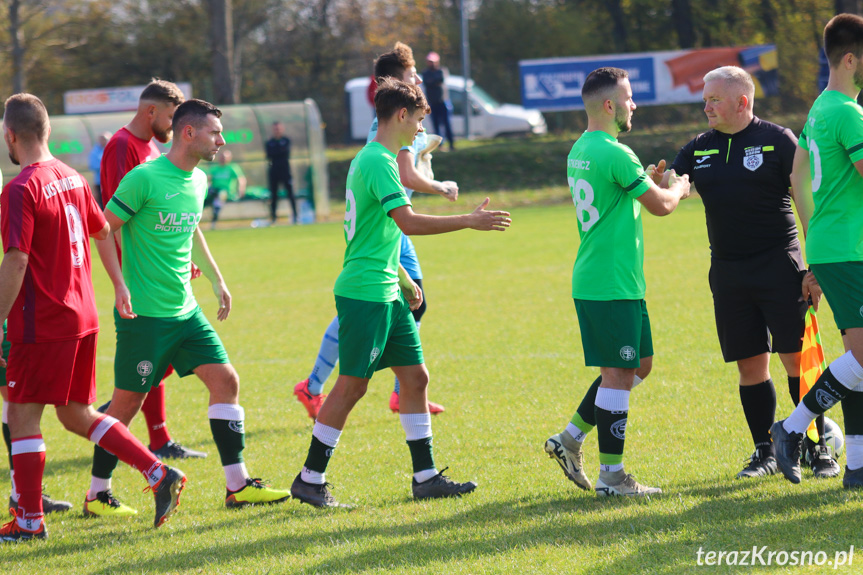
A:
{"x":434,"y":78}
{"x":229,"y":183}
{"x":278,"y":150}
{"x":95,"y":163}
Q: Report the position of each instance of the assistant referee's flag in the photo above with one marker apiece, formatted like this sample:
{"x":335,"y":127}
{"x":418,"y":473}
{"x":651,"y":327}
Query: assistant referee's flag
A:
{"x":812,"y":363}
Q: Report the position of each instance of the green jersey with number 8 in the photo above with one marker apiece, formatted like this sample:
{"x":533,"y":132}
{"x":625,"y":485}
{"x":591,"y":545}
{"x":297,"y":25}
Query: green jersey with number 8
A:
{"x":833,"y":135}
{"x":373,"y":239}
{"x":605,"y":178}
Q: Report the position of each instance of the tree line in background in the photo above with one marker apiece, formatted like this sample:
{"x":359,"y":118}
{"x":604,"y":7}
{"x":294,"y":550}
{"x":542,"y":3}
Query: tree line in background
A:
{"x":250,"y":51}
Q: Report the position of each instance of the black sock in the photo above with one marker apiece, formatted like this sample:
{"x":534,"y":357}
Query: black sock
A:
{"x":421,"y":454}
{"x":611,"y":435}
{"x":794,"y":389}
{"x":852,"y":408}
{"x":7,"y":438}
{"x":819,"y":426}
{"x":104,"y":463}
{"x":826,"y":393}
{"x":319,"y":456}
{"x":759,"y":407}
{"x":230,"y":438}
{"x":585,"y":409}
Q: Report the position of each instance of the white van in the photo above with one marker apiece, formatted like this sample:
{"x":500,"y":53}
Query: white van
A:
{"x":488,"y":117}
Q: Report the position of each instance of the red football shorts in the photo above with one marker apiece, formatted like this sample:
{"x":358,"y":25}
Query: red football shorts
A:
{"x":53,"y":373}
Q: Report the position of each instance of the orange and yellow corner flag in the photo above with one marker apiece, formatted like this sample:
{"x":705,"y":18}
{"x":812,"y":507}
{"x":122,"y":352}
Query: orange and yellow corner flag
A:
{"x":812,"y":363}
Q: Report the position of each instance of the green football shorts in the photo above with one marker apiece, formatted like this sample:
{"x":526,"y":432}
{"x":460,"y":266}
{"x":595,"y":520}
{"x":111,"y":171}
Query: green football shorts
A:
{"x":843,"y":287}
{"x":374,"y":336}
{"x":614,"y":333}
{"x":146,"y":346}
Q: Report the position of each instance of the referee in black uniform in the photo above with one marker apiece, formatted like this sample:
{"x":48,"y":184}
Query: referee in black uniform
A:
{"x":741,"y":169}
{"x":278,"y":150}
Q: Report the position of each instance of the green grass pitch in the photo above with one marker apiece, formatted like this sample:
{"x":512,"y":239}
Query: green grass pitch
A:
{"x":503,"y":349}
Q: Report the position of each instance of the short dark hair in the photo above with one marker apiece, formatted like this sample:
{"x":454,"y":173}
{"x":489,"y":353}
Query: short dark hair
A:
{"x":392,"y":95}
{"x":27,"y":117}
{"x":192,"y":113}
{"x":843,"y":34}
{"x":163,"y":92}
{"x":600,"y":81}
{"x":395,"y":63}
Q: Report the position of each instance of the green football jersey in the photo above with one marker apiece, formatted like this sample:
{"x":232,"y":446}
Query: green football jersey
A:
{"x":161,"y":205}
{"x":833,"y":135}
{"x":227,"y":178}
{"x":373,"y":239}
{"x":605,"y":178}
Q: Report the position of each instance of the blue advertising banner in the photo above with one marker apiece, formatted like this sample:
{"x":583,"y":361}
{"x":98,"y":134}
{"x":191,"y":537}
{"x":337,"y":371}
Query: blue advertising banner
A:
{"x":656,"y":77}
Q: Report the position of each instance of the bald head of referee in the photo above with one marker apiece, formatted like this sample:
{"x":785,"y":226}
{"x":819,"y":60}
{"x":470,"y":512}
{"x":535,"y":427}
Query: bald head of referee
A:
{"x":729,"y":98}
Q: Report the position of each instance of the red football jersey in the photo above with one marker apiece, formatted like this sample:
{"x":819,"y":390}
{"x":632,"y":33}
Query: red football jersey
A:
{"x":48,"y":212}
{"x":123,"y":152}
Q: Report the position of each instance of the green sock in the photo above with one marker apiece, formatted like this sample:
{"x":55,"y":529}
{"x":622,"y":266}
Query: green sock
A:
{"x":230,"y":440}
{"x":104,"y":463}
{"x":319,"y":456}
{"x":421,"y":454}
{"x":611,"y":436}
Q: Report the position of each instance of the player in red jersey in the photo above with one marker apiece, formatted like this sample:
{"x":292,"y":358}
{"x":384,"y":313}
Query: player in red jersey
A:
{"x":128,"y":147}
{"x":47,"y":295}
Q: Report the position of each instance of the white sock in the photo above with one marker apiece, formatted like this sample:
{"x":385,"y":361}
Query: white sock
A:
{"x":635,"y":381}
{"x":29,"y":524}
{"x":313,"y":477}
{"x":611,"y":468}
{"x":576,"y":433}
{"x":416,"y":425}
{"x":799,"y":419}
{"x":425,"y":475}
{"x":327,"y":435}
{"x":612,"y":399}
{"x":98,"y":484}
{"x":847,"y":371}
{"x":854,"y":451}
{"x":235,"y":476}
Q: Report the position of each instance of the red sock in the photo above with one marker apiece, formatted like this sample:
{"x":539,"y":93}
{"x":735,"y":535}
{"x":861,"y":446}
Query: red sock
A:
{"x":113,"y":436}
{"x":154,"y":412}
{"x":28,"y":456}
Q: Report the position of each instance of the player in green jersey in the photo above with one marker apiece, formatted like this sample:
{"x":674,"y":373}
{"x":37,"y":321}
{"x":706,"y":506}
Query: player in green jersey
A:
{"x":157,"y":208}
{"x":229,"y":183}
{"x":827,"y":179}
{"x":609,"y":187}
{"x":374,"y":298}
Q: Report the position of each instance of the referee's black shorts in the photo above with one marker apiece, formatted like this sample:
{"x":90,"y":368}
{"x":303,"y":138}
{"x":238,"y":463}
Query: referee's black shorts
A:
{"x":758,"y":299}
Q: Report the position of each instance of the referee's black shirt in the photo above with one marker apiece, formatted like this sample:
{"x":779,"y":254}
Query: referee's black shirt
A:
{"x":743,"y":180}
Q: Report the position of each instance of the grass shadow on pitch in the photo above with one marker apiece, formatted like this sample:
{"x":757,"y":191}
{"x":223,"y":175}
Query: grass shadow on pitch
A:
{"x":644,"y":533}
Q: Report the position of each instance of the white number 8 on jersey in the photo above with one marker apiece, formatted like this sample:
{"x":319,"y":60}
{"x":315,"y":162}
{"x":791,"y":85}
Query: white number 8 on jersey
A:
{"x":76,"y":235}
{"x":582,"y":197}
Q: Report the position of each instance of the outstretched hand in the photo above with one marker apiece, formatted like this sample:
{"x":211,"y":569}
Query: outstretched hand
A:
{"x":686,"y":186}
{"x":656,"y":172}
{"x":490,"y":220}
